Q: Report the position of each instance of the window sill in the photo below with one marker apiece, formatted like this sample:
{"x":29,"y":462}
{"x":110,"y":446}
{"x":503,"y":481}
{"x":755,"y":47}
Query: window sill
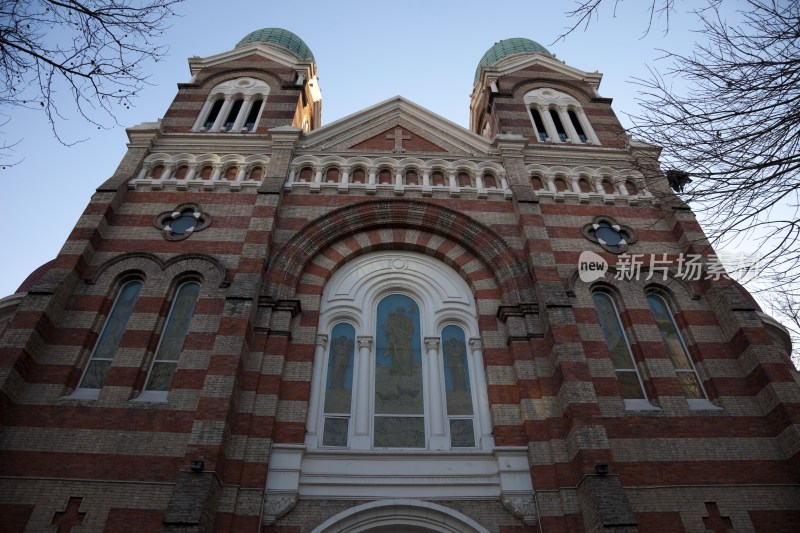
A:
{"x":83,"y":394}
{"x":151,"y":396}
{"x":640,"y":405}
{"x":702,"y":405}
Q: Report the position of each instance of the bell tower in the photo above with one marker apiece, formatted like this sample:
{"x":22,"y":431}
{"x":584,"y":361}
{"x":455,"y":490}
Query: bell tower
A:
{"x":521,"y":88}
{"x":268,"y":80}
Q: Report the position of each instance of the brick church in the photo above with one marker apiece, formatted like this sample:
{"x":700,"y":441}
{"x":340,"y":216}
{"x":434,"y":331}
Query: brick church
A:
{"x":391,"y":323}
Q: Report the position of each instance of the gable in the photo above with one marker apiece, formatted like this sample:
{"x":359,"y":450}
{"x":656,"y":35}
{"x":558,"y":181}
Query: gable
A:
{"x":398,"y":140}
{"x":396,"y":126}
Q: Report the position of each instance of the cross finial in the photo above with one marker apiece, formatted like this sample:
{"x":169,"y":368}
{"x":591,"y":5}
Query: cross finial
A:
{"x":398,"y":139}
{"x":70,"y":517}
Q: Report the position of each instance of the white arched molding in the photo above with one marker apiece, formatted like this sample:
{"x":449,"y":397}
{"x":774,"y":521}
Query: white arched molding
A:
{"x":249,"y":90}
{"x":358,"y":469}
{"x":400,"y":515}
{"x":444,"y":298}
{"x":545,"y":100}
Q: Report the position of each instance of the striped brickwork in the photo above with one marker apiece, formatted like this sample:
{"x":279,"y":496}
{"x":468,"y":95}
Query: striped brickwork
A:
{"x":243,"y":380}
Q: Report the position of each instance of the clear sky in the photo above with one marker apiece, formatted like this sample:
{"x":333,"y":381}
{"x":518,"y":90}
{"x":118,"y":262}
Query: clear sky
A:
{"x":366,"y":52}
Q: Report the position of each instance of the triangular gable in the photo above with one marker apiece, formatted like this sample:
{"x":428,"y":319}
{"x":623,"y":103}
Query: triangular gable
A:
{"x":375,"y":128}
{"x":398,"y":140}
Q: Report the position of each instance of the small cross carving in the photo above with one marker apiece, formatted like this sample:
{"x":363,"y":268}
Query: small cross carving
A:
{"x":398,"y":139}
{"x":70,"y":517}
{"x":715,"y":521}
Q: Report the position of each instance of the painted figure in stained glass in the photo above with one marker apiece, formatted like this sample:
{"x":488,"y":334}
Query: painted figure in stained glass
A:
{"x":339,"y":386}
{"x":398,"y":374}
{"x":454,"y":359}
{"x":456,"y":372}
{"x":399,"y":331}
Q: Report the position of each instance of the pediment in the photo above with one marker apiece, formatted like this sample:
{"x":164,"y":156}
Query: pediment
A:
{"x":518,"y":62}
{"x":396,"y":126}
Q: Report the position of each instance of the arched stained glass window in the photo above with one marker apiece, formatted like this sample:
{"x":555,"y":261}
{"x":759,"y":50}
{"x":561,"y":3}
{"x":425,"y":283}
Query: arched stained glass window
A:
{"x":399,"y":399}
{"x":171,"y":344}
{"x":630,"y":383}
{"x":339,"y":386}
{"x":676,"y":348}
{"x":458,"y":389}
{"x":109,"y":339}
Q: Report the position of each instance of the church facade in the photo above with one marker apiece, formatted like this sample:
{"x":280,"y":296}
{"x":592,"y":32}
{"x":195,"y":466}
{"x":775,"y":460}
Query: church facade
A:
{"x":391,"y":323}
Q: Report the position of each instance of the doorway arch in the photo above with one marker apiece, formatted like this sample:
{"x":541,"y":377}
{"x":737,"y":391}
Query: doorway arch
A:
{"x":400,"y":516}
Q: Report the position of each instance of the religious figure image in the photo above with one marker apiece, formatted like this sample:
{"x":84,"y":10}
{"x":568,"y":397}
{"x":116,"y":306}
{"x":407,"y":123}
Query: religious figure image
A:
{"x":454,"y":351}
{"x":341,"y":353}
{"x":399,"y":330}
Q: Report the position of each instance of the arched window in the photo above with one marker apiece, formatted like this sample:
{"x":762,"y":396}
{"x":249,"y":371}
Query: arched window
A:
{"x":402,"y":368}
{"x":234,"y":106}
{"x":110,"y":336}
{"x":630,"y":383}
{"x":558,"y":117}
{"x":170,"y":345}
{"x":676,"y":349}
{"x":338,"y":399}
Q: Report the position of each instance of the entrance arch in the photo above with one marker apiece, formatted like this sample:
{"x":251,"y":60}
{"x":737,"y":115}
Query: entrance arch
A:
{"x":400,"y":516}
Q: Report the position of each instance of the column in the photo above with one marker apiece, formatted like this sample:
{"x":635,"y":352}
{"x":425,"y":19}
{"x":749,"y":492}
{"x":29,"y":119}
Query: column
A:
{"x":312,"y":420}
{"x":143,"y":172}
{"x":361,"y":439}
{"x":243,"y":112}
{"x":198,"y":123}
{"x":292,"y":172}
{"x":503,"y":180}
{"x":587,"y":128}
{"x":426,"y":179}
{"x":567,"y":123}
{"x":241,"y":174}
{"x":192,"y":171}
{"x":551,"y":183}
{"x":223,"y":113}
{"x":436,"y":409}
{"x":552,"y":132}
{"x":217,"y":171}
{"x":575,"y":183}
{"x":344,"y":179}
{"x":482,"y":393}
{"x":398,"y":178}
{"x":451,"y":177}
{"x":371,"y":179}
{"x":169,"y":168}
{"x":479,"y":181}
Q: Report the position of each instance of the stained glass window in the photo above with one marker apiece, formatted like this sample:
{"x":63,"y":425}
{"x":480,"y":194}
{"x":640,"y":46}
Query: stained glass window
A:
{"x":458,"y":390}
{"x":676,"y":349}
{"x":399,"y":399}
{"x":171,"y":344}
{"x":339,"y":385}
{"x":110,"y":336}
{"x":629,"y":381}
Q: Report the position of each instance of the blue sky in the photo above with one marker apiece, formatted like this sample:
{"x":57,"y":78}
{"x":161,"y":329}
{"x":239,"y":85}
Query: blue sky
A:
{"x":366,"y":52}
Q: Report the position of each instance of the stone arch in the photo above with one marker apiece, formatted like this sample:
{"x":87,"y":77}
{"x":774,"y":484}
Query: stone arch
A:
{"x":387,"y":515}
{"x":510,"y":272}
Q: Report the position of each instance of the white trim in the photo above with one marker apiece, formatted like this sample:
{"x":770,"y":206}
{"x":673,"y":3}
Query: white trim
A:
{"x":443,"y":297}
{"x":400,"y":512}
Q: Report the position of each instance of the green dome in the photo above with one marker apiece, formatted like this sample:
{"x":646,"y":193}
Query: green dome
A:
{"x":508,"y":47}
{"x":280,"y":37}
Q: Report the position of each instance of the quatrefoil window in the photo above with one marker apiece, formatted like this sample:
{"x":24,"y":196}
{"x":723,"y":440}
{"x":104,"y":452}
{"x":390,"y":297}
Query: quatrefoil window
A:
{"x":611,"y":236}
{"x":181,"y":222}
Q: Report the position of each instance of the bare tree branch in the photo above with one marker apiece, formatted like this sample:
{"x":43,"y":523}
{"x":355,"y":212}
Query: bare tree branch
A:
{"x":90,"y":55}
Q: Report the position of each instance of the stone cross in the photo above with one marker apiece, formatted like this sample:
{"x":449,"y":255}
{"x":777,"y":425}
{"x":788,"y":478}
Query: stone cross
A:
{"x":70,"y":517}
{"x":715,"y":521}
{"x":398,"y":139}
